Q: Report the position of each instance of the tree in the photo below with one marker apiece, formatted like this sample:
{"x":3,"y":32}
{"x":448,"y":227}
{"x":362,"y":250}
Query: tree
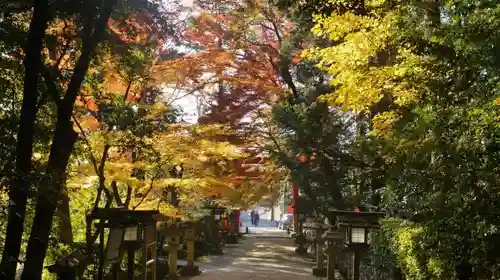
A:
{"x":234,"y":68}
{"x":58,"y":63}
{"x":434,"y":128}
{"x":18,"y":192}
{"x":62,"y":146}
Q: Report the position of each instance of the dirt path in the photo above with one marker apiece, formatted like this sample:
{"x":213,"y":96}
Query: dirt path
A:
{"x":264,"y":254}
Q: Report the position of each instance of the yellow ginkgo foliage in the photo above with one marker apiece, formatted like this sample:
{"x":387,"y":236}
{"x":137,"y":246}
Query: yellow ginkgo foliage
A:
{"x":366,"y":61}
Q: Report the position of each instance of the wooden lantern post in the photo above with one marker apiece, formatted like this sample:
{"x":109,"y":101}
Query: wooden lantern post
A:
{"x":149,"y":252}
{"x":356,"y":225}
{"x":130,"y":229}
{"x":67,"y":267}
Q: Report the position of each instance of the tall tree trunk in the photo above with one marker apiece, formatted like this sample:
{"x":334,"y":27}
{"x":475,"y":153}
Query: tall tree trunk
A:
{"x":463,"y":271}
{"x":63,"y":213}
{"x":47,"y":201}
{"x":60,"y":152}
{"x":377,"y":177}
{"x":334,"y":191}
{"x":65,"y":227}
{"x":18,"y":191}
{"x":397,"y":274}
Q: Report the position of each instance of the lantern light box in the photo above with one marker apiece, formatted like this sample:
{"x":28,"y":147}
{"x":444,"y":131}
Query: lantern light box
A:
{"x":356,"y":225}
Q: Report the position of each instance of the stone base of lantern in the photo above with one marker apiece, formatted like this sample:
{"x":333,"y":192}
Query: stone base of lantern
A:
{"x":190,"y":270}
{"x":319,"y":271}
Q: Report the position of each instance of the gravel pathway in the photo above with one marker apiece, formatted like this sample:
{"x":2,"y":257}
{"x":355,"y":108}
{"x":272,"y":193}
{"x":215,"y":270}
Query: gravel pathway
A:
{"x":266,"y":253}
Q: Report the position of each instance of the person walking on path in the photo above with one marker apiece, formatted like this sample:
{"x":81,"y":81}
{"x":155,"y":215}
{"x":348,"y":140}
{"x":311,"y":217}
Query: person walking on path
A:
{"x":256,"y":219}
{"x":252,"y":217}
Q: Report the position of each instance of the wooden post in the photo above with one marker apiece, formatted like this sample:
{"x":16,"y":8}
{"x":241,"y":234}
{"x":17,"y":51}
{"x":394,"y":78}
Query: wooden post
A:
{"x":348,"y":220}
{"x":355,"y":264}
{"x":130,"y":262}
{"x":115,"y":271}
{"x":149,"y":252}
{"x":100,"y":270}
{"x":332,"y":261}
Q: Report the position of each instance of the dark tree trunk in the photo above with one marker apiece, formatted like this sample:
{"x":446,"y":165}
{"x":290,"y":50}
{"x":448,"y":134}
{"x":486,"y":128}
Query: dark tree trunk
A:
{"x":64,"y":215}
{"x":47,"y":201}
{"x":463,"y":271}
{"x":18,"y":191}
{"x":60,"y":152}
{"x":334,"y":191}
{"x":378,"y":176}
{"x":398,"y":274}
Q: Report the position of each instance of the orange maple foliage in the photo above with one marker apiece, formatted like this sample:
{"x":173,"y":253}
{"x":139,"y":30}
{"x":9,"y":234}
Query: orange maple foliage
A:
{"x":235,"y":67}
{"x":139,"y":29}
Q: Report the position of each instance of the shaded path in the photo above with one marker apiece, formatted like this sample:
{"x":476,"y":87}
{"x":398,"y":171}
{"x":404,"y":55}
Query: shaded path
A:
{"x":264,"y":254}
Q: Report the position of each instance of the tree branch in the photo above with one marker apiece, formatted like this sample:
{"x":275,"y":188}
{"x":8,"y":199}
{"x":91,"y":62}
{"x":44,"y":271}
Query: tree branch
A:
{"x":146,"y":194}
{"x":52,"y":87}
{"x":102,"y":179}
{"x":116,"y":194}
{"x":127,"y":90}
{"x":93,"y":160}
{"x":128,"y":197}
{"x":83,"y":62}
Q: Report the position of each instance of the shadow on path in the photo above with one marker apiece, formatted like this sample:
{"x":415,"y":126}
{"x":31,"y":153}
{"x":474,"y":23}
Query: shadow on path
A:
{"x":264,"y":254}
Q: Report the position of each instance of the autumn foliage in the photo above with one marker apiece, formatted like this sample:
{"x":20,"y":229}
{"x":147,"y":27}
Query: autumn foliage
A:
{"x":234,"y":68}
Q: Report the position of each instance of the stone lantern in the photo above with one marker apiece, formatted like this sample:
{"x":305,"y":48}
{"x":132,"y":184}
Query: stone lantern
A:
{"x":190,"y":236}
{"x":320,"y":269}
{"x":333,"y":239}
{"x":173,"y":232}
